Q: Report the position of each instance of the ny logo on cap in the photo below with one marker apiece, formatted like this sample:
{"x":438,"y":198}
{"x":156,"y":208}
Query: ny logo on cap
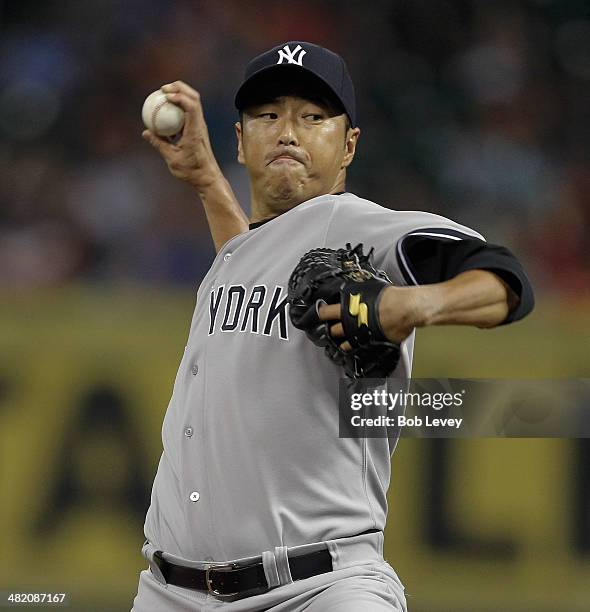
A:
{"x":286,"y":54}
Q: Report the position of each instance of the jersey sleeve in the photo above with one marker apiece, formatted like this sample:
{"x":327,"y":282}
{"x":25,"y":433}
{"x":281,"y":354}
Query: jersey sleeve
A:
{"x":357,"y":220}
{"x":418,"y":247}
{"x":433,"y":255}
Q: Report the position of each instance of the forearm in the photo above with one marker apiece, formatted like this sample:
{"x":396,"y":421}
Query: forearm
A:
{"x":476,"y":297}
{"x":224,"y":214}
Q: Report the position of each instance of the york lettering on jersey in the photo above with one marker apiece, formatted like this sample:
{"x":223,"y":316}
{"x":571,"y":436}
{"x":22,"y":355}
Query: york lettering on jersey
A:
{"x":259,"y":310}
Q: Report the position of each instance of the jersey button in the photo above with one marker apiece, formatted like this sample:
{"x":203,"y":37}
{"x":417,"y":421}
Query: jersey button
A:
{"x":194,"y":496}
{"x":188,"y":432}
{"x":195,"y":369}
{"x":226,"y":257}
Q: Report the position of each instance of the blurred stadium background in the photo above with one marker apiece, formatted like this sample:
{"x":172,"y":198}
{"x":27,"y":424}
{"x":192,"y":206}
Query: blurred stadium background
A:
{"x":475,"y":110}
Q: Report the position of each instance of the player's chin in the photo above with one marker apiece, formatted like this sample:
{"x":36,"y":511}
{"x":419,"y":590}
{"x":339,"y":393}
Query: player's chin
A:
{"x":285,"y":186}
{"x":286,"y":197}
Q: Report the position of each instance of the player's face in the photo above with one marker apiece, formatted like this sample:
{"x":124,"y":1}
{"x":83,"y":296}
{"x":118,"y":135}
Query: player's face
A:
{"x":294,"y":149}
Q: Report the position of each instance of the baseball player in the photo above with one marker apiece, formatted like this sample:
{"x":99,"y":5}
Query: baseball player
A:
{"x":257,"y":503}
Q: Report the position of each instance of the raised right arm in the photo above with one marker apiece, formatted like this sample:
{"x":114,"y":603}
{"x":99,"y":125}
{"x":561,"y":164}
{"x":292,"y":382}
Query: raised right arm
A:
{"x":191,"y":159}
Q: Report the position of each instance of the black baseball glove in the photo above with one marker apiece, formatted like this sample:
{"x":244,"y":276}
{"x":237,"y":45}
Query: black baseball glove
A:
{"x":344,"y":276}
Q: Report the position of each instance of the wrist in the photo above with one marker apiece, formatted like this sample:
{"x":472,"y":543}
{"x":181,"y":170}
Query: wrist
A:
{"x":414,"y":306}
{"x":208,"y":180}
{"x":401,"y":309}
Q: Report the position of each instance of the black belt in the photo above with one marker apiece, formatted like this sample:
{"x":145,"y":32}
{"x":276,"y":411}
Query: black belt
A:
{"x":227,"y":580}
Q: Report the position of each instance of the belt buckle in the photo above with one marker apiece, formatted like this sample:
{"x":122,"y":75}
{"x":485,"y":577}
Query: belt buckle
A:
{"x":221,"y":566}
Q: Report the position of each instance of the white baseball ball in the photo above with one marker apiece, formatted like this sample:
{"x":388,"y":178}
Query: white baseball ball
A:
{"x":161,"y":116}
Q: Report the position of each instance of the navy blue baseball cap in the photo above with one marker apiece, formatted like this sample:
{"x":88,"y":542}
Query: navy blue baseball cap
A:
{"x":295,"y":62}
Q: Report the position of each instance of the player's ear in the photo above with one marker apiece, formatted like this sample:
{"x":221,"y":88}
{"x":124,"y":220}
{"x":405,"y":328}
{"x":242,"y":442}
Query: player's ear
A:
{"x":352,"y":137}
{"x":238,"y":128}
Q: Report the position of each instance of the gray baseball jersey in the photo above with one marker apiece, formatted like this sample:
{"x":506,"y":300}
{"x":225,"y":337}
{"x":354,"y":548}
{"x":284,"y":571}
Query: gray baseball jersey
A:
{"x":251,"y":454}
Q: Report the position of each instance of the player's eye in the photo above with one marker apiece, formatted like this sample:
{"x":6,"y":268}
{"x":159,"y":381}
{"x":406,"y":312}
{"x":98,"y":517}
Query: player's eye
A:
{"x":268,"y":115}
{"x":313,"y":117}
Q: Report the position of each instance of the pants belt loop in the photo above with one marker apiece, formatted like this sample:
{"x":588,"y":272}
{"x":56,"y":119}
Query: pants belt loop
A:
{"x":271,"y":571}
{"x":282,"y":562}
{"x":148,"y":550}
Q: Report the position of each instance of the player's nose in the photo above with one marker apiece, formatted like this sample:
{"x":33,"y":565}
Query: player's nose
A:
{"x":287,"y":134}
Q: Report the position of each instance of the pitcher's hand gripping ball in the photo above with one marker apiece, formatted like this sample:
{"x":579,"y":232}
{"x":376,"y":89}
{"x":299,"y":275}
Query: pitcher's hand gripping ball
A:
{"x":344,"y":276}
{"x":161,"y":116}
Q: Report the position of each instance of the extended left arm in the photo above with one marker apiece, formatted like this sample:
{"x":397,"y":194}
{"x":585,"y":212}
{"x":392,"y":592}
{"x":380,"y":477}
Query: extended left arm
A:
{"x":475,"y":297}
{"x":450,"y":282}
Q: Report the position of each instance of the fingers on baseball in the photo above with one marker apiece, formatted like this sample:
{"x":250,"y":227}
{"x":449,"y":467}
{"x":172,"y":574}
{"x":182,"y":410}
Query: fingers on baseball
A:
{"x":186,"y":97}
{"x":181,"y":87}
{"x":158,"y":143}
{"x":151,"y":138}
{"x":182,"y":100}
{"x":193,"y":114}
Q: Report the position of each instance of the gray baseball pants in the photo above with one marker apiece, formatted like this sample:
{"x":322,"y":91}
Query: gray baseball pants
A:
{"x":362,"y":581}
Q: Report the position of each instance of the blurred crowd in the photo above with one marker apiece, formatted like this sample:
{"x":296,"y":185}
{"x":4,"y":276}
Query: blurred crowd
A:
{"x":475,"y":110}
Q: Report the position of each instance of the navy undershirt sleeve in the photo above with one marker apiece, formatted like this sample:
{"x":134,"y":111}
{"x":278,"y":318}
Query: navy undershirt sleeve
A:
{"x":433,"y":259}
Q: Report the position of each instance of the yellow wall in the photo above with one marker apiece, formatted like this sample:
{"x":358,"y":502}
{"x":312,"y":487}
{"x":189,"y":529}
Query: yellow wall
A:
{"x":71,"y":521}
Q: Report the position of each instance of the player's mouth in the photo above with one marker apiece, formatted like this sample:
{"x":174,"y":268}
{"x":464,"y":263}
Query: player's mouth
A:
{"x":285,"y":157}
